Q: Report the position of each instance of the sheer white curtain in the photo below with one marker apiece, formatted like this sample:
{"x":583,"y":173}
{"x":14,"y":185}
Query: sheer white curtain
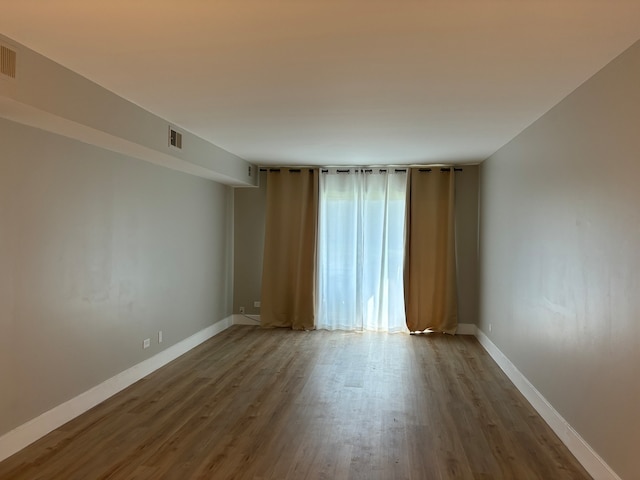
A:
{"x":361,"y":221}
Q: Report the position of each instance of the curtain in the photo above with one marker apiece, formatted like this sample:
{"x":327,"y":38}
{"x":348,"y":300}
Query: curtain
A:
{"x":361,"y":219}
{"x":430,"y":260}
{"x":288,"y":271}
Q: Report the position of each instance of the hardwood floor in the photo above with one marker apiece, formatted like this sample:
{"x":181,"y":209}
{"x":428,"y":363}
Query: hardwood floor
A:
{"x":278,"y":404}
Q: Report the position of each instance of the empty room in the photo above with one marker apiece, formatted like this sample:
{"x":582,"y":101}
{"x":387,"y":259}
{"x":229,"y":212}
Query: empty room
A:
{"x":320,"y":239}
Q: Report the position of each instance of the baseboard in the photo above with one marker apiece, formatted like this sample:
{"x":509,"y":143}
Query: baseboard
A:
{"x":590,"y":460}
{"x":27,"y":433}
{"x":466,"y":329}
{"x":243,"y":319}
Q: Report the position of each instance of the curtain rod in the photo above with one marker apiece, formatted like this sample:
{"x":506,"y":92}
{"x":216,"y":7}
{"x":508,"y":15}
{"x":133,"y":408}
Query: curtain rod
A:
{"x":424,"y":168}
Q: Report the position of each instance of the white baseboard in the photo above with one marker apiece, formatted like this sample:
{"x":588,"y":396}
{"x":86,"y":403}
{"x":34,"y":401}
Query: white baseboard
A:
{"x":466,"y":329}
{"x":27,"y":433}
{"x":243,"y":319}
{"x":590,"y":460}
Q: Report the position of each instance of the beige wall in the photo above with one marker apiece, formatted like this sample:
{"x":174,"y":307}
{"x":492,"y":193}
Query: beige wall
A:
{"x":249,"y":215}
{"x":97,"y":252}
{"x":560,"y":258}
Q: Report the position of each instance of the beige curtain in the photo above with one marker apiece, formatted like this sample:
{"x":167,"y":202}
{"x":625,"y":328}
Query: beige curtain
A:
{"x":289,"y":266}
{"x":430,"y":262}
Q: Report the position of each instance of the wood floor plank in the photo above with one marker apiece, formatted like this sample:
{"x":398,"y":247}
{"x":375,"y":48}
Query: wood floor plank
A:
{"x":261,"y":404}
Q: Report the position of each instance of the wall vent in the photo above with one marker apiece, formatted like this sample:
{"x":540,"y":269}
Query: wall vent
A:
{"x":175,"y":138}
{"x":8,"y":60}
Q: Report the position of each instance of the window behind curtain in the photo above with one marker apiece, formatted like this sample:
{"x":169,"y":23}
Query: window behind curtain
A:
{"x":361,"y":250}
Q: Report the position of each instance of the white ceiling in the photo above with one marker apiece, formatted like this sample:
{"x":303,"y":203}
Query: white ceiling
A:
{"x":335,"y":81}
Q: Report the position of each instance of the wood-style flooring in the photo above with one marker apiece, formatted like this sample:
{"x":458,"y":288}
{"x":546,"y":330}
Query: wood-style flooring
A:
{"x":279,"y":404}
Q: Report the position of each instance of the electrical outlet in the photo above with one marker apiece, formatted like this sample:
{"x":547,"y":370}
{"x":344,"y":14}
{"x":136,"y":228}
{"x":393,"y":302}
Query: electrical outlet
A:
{"x":241,"y":309}
{"x":256,"y":304}
{"x":159,"y":336}
{"x":146,"y":343}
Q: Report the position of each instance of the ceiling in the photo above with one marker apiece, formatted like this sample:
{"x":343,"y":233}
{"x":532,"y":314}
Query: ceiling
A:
{"x":335,"y":82}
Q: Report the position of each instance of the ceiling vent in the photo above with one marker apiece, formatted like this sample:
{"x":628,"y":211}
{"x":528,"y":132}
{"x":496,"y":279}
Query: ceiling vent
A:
{"x":7,"y":61}
{"x":175,"y":139}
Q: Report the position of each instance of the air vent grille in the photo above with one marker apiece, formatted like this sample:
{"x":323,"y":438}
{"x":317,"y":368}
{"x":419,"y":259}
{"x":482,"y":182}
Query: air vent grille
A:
{"x":175,"y":138}
{"x":7,"y":61}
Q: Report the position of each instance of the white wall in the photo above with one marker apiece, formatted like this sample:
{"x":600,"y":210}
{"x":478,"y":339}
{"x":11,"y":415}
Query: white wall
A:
{"x":97,"y":252}
{"x":560,"y":258}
